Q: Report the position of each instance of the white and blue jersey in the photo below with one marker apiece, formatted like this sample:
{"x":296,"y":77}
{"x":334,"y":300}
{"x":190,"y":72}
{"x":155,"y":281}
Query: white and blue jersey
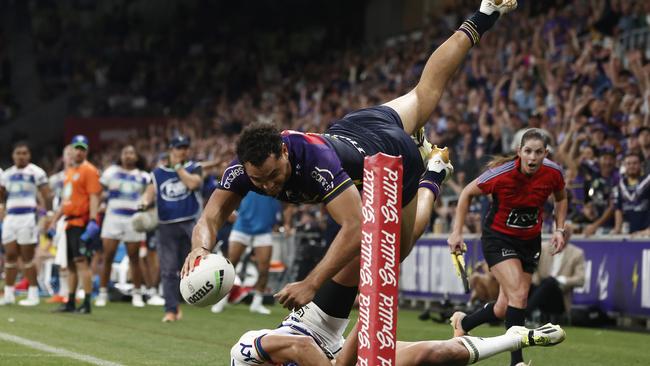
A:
{"x":56,"y":185}
{"x":633,"y":198}
{"x":310,"y":320}
{"x":174,"y":200}
{"x":22,"y":185}
{"x":256,"y":214}
{"x":125,"y":188}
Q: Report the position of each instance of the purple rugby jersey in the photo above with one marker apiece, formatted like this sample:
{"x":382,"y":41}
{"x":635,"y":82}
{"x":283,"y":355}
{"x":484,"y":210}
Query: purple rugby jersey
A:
{"x":316,"y":172}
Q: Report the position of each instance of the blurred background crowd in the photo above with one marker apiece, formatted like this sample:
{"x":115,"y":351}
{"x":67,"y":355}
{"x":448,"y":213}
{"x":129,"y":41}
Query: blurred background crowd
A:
{"x":579,"y":69}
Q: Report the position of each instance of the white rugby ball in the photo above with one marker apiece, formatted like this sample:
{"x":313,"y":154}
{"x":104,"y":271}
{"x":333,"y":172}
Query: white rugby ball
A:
{"x":209,"y":282}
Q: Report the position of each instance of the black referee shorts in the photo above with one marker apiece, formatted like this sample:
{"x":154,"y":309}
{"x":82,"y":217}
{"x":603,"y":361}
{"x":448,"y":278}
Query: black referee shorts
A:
{"x":498,"y":247}
{"x":76,"y":246}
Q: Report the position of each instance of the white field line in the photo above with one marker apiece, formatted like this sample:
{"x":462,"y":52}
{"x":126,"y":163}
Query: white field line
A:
{"x":57,"y":351}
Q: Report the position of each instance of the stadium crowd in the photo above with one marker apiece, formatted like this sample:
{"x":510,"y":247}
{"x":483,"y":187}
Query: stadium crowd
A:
{"x":560,"y":68}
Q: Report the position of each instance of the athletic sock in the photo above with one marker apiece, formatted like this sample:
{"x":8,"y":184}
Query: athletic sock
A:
{"x":477,"y":24}
{"x":258,"y":299}
{"x":10,"y":292}
{"x":432,"y":180}
{"x":482,"y":348}
{"x":71,"y":300}
{"x":485,"y":315}
{"x":515,"y":316}
{"x":32,"y":293}
{"x":86,"y":302}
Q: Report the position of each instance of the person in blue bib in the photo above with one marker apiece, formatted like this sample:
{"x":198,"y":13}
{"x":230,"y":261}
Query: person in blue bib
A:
{"x":177,"y":192}
{"x":253,"y":228}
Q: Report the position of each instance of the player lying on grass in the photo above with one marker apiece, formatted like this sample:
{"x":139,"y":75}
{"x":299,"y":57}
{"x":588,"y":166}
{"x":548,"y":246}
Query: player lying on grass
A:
{"x":311,"y":337}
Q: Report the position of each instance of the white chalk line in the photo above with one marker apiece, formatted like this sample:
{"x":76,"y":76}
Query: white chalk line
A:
{"x":56,"y":350}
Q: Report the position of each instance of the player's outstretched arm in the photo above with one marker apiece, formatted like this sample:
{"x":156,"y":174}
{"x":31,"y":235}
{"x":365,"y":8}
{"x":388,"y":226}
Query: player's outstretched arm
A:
{"x":221,"y":204}
{"x":455,"y":240}
{"x":415,"y":107}
{"x":346,"y":211}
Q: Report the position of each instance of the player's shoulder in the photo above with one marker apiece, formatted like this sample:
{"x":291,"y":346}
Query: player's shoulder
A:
{"x":35,"y":169}
{"x":306,"y":138}
{"x":550,"y":164}
{"x":497,"y":171}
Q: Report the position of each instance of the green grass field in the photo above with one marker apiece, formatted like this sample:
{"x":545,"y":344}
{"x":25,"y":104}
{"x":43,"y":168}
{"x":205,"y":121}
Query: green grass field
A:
{"x":122,"y":334}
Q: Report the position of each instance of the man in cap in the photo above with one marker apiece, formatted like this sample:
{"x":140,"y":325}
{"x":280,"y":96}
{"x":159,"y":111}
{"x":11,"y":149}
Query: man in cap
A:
{"x":176,"y":191}
{"x":79,"y":205}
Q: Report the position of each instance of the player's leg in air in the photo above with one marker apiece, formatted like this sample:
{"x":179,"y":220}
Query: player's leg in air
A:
{"x":415,"y":107}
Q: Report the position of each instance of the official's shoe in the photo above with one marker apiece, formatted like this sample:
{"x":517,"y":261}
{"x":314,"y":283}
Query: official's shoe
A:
{"x":65,"y":308}
{"x":83,"y":309}
{"x":438,"y":160}
{"x":547,"y":335}
{"x":454,"y":321}
{"x":424,"y":146}
{"x":502,"y":6}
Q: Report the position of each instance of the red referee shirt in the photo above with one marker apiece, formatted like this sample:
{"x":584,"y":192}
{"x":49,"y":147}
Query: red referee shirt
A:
{"x":517,"y":199}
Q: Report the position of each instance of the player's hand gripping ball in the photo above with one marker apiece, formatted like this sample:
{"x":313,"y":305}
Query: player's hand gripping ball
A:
{"x":209,"y":282}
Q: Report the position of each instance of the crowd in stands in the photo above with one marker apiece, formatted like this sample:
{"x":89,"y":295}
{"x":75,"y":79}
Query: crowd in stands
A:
{"x":556,"y":66}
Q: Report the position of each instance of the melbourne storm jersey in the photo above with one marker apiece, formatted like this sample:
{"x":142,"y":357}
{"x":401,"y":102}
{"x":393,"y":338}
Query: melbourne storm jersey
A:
{"x":518,"y":199}
{"x":633,"y":198}
{"x":323,"y":166}
{"x":316,"y":172}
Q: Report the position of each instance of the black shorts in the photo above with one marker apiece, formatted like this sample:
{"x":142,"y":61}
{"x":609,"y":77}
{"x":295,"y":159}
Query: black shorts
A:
{"x":76,"y":246}
{"x":376,"y":129}
{"x":498,"y":247}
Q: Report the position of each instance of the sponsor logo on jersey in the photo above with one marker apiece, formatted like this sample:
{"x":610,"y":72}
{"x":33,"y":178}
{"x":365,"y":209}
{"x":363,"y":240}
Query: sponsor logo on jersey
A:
{"x":174,"y":190}
{"x":231,"y":174}
{"x":523,"y":217}
{"x":324,"y":177}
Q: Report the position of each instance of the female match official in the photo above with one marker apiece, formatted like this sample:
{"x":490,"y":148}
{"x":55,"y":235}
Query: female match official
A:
{"x":511,"y":239}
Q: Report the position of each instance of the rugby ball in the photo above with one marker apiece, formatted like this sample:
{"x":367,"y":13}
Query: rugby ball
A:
{"x":210,"y":280}
{"x":145,"y":221}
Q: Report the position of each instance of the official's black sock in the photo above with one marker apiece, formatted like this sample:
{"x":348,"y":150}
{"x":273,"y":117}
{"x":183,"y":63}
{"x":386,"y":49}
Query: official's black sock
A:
{"x":515,"y":316}
{"x":335,"y":300}
{"x":86,"y":301}
{"x":485,"y":315}
{"x":71,"y":300}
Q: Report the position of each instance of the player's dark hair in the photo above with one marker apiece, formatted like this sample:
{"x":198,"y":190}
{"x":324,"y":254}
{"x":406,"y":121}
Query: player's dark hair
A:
{"x":257,"y":142}
{"x":21,"y":143}
{"x":530,"y":134}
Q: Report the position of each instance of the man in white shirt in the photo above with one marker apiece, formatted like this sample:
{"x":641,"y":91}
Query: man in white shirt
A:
{"x":24,"y":187}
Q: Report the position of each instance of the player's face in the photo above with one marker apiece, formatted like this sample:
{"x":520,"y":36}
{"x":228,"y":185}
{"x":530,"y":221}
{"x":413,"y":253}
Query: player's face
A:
{"x":80,"y":155}
{"x":272,"y":174}
{"x":632,"y":166}
{"x":128,"y":156}
{"x":21,"y":156}
{"x":179,"y":154}
{"x":532,"y":154}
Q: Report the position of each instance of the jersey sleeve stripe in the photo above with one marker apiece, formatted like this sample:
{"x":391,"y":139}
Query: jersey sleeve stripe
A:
{"x":335,"y":188}
{"x":645,"y":183}
{"x":493,"y":173}
{"x":554,"y":165}
{"x":260,"y":351}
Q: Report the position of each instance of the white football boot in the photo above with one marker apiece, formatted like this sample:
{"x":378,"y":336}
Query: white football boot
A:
{"x":502,"y":6}
{"x":438,"y":160}
{"x":547,"y":335}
